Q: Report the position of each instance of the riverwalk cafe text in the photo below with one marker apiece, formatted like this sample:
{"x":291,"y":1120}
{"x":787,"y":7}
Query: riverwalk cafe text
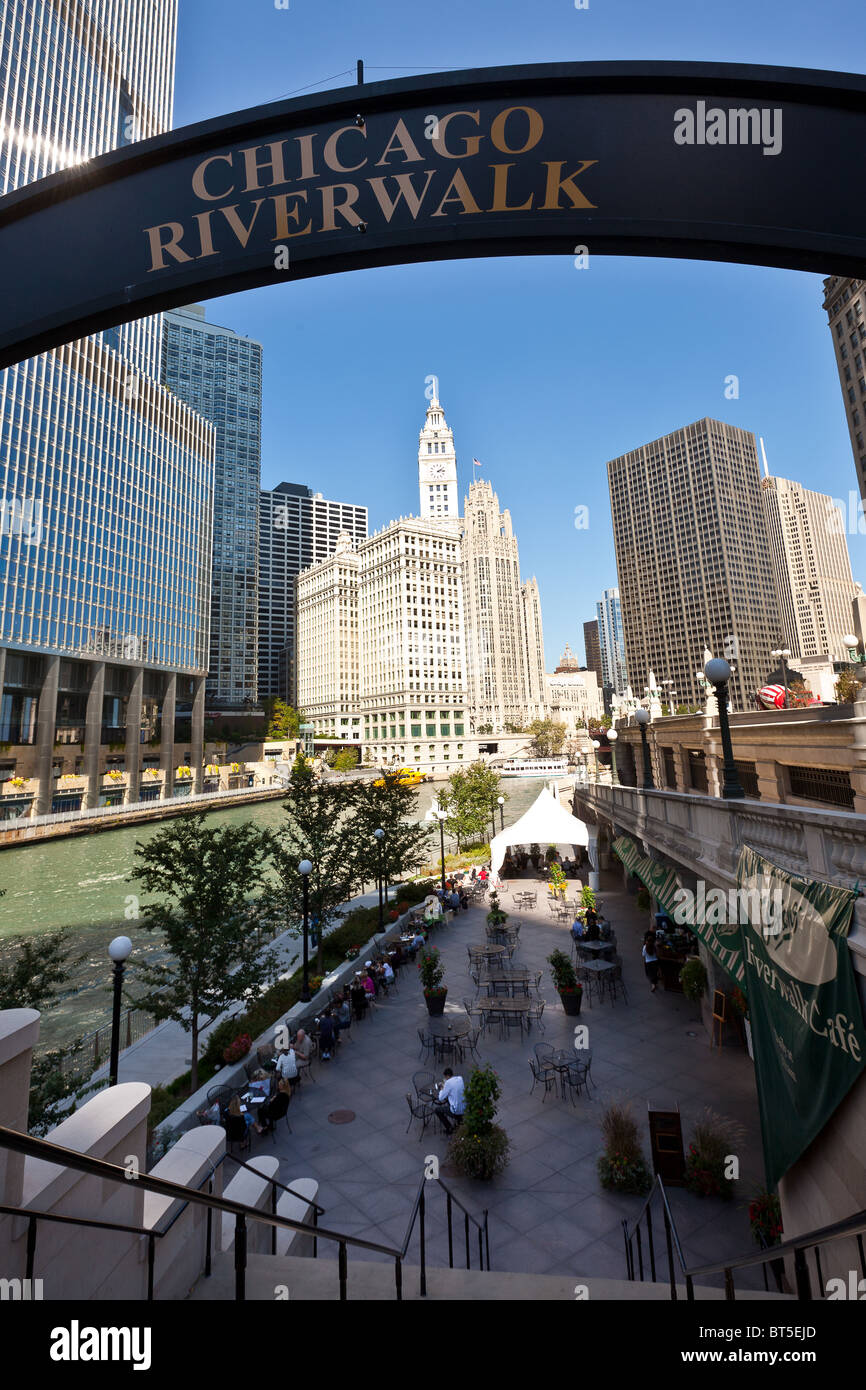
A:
{"x":469,"y":179}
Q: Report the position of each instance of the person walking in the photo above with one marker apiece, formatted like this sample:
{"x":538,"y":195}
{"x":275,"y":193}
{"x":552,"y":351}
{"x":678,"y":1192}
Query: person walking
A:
{"x":650,"y":960}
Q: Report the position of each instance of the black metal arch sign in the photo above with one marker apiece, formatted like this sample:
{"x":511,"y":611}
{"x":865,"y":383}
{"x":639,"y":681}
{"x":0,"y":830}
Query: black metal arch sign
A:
{"x":724,"y":162}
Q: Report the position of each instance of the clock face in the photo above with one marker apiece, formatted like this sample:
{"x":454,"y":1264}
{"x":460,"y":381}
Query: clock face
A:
{"x":437,"y":470}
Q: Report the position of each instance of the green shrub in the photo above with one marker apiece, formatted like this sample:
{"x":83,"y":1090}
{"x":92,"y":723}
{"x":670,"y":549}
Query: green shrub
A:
{"x":693,"y":978}
{"x":479,"y":1148}
{"x":715,"y":1139}
{"x":562,"y":970}
{"x":622,"y":1167}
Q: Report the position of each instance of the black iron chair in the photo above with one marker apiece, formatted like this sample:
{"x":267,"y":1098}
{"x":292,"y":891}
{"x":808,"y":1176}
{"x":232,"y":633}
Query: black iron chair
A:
{"x":426,"y":1042}
{"x":575,"y":1078}
{"x":544,"y":1075}
{"x":423,"y":1082}
{"x":419,"y":1110}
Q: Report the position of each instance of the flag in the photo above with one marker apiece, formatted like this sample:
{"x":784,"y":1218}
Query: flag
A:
{"x":477,"y":463}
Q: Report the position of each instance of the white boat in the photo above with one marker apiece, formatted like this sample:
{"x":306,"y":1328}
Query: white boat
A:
{"x":532,"y":767}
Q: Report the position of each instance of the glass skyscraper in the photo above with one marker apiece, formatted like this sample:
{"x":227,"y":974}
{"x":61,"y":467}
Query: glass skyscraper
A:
{"x":219,"y":374}
{"x":610,"y":640}
{"x":105,"y":477}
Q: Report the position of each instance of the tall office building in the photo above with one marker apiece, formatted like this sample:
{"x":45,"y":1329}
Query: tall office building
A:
{"x":610,"y":641}
{"x":573,"y":695}
{"x":381,"y":658}
{"x":504,"y":640}
{"x":811,"y":567}
{"x":592,"y":644}
{"x":693,"y":559}
{"x":219,"y":374}
{"x":297,"y":528}
{"x":437,"y":466}
{"x":106,"y":477}
{"x":846,"y":314}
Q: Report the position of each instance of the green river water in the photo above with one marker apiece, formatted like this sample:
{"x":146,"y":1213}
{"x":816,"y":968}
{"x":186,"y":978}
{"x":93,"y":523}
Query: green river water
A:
{"x":84,"y":883}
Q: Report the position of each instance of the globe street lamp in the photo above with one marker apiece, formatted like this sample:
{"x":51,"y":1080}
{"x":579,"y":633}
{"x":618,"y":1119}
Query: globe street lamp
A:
{"x":642,"y":719}
{"x":719,"y":673}
{"x":442,"y":817}
{"x":379,"y":836}
{"x":305,"y":868}
{"x":855,"y":656}
{"x":595,"y":747}
{"x":781,"y":654}
{"x":501,"y":801}
{"x":612,"y":737}
{"x":119,"y":951}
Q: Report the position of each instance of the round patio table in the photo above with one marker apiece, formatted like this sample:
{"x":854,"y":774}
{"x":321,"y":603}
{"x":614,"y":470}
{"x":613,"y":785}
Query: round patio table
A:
{"x":596,"y":948}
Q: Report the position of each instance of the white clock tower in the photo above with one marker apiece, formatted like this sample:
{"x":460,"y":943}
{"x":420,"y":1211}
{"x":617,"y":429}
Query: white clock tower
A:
{"x":437,"y":467}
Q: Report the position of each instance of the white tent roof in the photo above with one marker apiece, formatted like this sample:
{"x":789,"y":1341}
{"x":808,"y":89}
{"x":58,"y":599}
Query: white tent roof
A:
{"x":545,"y":823}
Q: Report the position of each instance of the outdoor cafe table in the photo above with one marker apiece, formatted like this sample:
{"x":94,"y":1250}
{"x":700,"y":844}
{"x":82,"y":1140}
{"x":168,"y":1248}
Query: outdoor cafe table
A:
{"x":448,"y":1031}
{"x":559,"y":1062}
{"x":597,"y":948}
{"x":497,"y":1007}
{"x":598,"y":968}
{"x":516,"y":979}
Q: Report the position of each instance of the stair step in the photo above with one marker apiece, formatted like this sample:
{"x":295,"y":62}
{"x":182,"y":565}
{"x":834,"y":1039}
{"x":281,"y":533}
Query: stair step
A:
{"x":309,"y":1280}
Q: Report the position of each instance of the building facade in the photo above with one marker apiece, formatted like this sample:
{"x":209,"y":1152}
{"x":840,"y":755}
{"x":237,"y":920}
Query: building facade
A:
{"x":592,"y":646}
{"x":381,"y":656}
{"x":504,"y":639}
{"x":573,"y":694}
{"x":811,"y":566}
{"x":846,"y":315}
{"x":106,"y":478}
{"x":219,"y":374}
{"x":610,"y":641}
{"x":297,"y":528}
{"x":693,"y":560}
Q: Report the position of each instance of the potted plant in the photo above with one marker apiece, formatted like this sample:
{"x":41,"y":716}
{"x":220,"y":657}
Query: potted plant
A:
{"x":622,"y":1167}
{"x":693,"y":978}
{"x":587,"y":899}
{"x":16,"y":782}
{"x":557,"y":881}
{"x":432,"y":972}
{"x":497,"y":915}
{"x":714,"y":1140}
{"x":479,"y":1148}
{"x":352,"y":952}
{"x":568,"y":987}
{"x":183,"y":772}
{"x":765,"y":1220}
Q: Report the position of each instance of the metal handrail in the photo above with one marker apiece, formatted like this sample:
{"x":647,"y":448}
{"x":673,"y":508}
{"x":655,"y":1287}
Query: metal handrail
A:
{"x":320,"y":1211}
{"x":851,"y":1226}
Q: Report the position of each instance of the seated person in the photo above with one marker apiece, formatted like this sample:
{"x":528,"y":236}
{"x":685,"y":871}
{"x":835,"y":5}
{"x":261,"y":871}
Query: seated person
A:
{"x":451,"y":1103}
{"x":303,"y":1049}
{"x":211,"y":1114}
{"x":273,"y":1109}
{"x":287,"y":1067}
{"x":234,"y":1118}
{"x":359,"y":999}
{"x":343,"y":1016}
{"x":260,"y":1086}
{"x":590,"y":924}
{"x":464,"y":900}
{"x":327,"y":1036}
{"x":577,"y":930}
{"x":417,"y":941}
{"x":369,"y":988}
{"x":387,"y":973}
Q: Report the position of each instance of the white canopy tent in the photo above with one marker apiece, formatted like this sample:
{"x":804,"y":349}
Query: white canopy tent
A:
{"x":545,"y":823}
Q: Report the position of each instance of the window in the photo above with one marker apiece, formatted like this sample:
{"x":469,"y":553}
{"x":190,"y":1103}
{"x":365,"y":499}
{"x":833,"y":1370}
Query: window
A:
{"x":828,"y":784}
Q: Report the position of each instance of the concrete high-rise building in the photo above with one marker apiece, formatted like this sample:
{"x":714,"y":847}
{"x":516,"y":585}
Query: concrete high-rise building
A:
{"x":592,"y":645}
{"x":297,"y":528}
{"x":219,"y":374}
{"x":610,"y":640}
{"x":846,"y":313}
{"x":437,"y":466}
{"x":504,"y":640}
{"x":573,"y":695}
{"x":106,"y":477}
{"x":693,"y":559}
{"x":381,"y":659}
{"x":811,"y":567}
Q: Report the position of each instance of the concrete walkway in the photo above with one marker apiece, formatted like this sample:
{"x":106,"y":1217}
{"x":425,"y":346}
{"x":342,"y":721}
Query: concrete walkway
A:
{"x":548,"y":1211}
{"x":165,"y":1053}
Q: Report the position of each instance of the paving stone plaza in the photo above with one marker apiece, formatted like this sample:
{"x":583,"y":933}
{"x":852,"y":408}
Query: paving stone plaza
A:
{"x":548,"y":1213}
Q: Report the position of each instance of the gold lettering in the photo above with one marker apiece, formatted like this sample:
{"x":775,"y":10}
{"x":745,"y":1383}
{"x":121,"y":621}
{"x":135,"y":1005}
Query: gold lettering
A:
{"x":283,"y":212}
{"x":405,"y":191}
{"x":158,"y":247}
{"x":330,"y":151}
{"x":401,"y":139}
{"x":461,"y":195}
{"x":204,"y":233}
{"x":500,"y":191}
{"x":198,"y":184}
{"x":253,"y":168}
{"x":536,"y":130}
{"x":308,"y":170}
{"x":345,"y":209}
{"x":555,"y":182}
{"x":468,"y":140}
{"x":231,"y":216}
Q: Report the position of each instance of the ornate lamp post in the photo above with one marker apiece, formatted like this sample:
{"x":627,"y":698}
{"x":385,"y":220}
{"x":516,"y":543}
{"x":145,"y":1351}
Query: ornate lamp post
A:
{"x":379,"y":836}
{"x":612,"y":737}
{"x":642,"y":719}
{"x":719,"y":673}
{"x":119,"y":951}
{"x":501,"y":801}
{"x":442,"y":817}
{"x":782,"y":654}
{"x":595,"y":747}
{"x":305,"y":868}
{"x":855,"y":656}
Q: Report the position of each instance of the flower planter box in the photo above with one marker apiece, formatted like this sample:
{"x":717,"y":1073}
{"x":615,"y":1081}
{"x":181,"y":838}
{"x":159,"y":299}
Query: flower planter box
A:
{"x":436,"y":1003}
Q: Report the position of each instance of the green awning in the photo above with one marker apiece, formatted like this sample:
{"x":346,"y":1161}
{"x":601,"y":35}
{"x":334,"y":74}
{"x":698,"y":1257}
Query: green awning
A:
{"x":663,"y":882}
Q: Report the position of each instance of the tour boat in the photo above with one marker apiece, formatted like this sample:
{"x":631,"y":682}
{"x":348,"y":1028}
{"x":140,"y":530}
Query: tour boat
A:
{"x":532,"y":767}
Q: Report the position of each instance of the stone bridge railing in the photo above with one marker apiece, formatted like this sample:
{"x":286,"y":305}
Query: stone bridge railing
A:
{"x":704,"y":834}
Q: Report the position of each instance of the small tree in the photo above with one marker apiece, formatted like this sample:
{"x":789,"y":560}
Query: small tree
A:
{"x":283,"y":721}
{"x":346,"y":759}
{"x":848,"y":687}
{"x":472,"y":793}
{"x":479,"y":1148}
{"x":204,"y":878}
{"x":548,"y":737}
{"x":393,"y":807}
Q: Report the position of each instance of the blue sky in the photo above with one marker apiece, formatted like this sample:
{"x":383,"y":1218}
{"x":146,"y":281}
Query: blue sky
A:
{"x":545,"y":371}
